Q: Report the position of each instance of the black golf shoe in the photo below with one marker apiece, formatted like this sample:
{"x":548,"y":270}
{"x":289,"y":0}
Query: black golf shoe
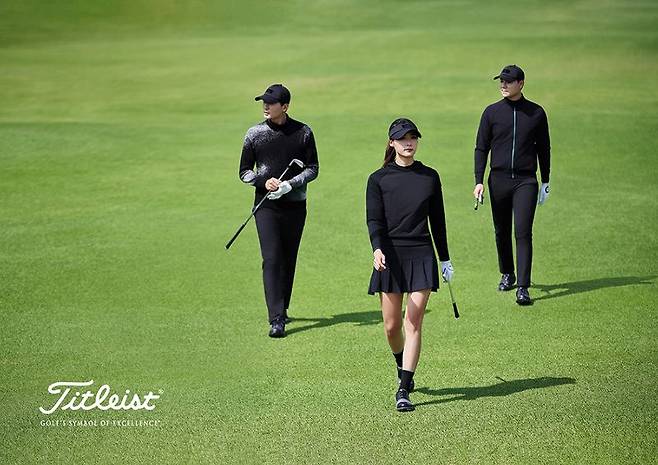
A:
{"x":523,"y":296}
{"x":402,"y":402}
{"x":507,"y":281}
{"x":286,"y":318}
{"x":278,"y":328}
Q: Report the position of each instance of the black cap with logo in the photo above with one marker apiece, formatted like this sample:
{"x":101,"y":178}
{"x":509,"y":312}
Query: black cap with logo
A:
{"x":511,"y":73}
{"x":400,"y":127}
{"x":276,"y":93}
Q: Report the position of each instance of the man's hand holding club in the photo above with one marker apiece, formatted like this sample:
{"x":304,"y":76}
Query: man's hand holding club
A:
{"x":277,"y":188}
{"x":478,"y":193}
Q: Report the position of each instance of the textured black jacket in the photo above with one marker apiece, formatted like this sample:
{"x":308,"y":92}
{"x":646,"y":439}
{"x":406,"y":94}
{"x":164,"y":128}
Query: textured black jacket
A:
{"x":399,"y":200}
{"x":268,"y":148}
{"x":517,"y":135}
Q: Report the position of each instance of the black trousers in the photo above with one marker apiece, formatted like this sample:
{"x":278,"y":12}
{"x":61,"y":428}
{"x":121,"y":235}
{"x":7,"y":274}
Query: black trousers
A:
{"x":515,"y":197}
{"x":280,"y":226}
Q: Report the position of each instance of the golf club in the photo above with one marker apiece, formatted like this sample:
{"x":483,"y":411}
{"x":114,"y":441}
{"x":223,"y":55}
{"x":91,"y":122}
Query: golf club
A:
{"x":294,"y":161}
{"x":479,"y":201}
{"x":452,"y":297}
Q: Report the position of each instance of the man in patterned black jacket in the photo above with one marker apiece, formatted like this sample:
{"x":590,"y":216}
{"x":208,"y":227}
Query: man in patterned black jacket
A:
{"x":268,"y":149}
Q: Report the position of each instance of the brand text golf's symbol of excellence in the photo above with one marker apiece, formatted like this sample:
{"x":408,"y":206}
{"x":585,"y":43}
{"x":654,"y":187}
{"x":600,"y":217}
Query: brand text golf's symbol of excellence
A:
{"x":70,"y":398}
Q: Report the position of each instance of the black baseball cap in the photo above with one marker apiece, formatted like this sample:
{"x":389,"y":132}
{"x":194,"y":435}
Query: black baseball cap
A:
{"x":276,"y":93}
{"x":511,"y":73}
{"x":400,"y":127}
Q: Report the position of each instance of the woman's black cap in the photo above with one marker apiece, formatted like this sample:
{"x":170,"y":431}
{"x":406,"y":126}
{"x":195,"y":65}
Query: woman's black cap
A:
{"x":276,"y":93}
{"x":511,"y":73}
{"x":400,"y":127}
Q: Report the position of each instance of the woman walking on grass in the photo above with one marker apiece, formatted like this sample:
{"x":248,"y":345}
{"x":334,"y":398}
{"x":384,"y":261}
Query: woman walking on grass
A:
{"x":400,"y":198}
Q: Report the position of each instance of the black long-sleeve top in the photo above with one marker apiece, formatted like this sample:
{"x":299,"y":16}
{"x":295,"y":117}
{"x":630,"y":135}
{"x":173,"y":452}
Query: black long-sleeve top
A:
{"x":399,"y":201}
{"x":268,"y":149}
{"x":517,"y":135}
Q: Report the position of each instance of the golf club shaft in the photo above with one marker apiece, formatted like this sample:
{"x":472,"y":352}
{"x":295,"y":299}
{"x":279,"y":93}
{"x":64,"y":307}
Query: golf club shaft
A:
{"x":479,"y":201}
{"x":237,"y":233}
{"x":253,"y":212}
{"x":452,"y":298}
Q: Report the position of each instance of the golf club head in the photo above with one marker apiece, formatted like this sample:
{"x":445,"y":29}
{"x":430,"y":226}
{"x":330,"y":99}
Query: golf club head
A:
{"x":297,"y":161}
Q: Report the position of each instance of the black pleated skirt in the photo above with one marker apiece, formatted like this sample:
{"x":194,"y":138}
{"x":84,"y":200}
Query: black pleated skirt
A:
{"x":408,"y":269}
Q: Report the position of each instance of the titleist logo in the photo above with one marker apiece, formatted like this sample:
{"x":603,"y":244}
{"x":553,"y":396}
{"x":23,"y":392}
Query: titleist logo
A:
{"x":71,"y":398}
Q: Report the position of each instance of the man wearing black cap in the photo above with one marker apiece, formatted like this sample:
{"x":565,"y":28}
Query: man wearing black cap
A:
{"x":268,"y":149}
{"x":515,"y":130}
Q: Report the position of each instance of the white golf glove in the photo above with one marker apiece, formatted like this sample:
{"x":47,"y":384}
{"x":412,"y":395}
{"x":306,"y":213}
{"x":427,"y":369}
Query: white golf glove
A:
{"x":446,"y":270}
{"x":543,"y":193}
{"x":283,"y":189}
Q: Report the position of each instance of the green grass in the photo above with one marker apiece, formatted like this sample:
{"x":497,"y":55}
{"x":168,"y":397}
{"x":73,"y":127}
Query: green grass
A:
{"x":121,"y":125}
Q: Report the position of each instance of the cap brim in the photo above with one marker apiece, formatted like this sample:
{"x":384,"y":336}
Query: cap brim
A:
{"x":400,"y":133}
{"x":266,"y":99}
{"x":507,"y":77}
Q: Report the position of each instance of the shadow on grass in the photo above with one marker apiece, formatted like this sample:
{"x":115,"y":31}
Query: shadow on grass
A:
{"x":356,"y":318}
{"x":578,"y":287}
{"x":504,"y":388}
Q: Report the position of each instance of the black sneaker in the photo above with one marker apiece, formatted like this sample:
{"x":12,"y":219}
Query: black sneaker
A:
{"x":412,"y":385}
{"x":523,"y":296}
{"x":402,"y":402}
{"x":278,"y":328}
{"x":507,"y":281}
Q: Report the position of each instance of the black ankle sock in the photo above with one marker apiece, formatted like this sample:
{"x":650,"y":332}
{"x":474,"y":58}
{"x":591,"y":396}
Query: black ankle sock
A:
{"x":405,"y":379}
{"x":398,"y":358}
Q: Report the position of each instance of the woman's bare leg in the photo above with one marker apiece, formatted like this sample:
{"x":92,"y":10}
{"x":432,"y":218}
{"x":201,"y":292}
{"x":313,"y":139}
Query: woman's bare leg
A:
{"x":413,"y":321}
{"x":392,"y":314}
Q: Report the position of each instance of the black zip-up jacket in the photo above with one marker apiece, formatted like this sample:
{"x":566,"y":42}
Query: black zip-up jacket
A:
{"x":399,"y":201}
{"x":270,"y":148}
{"x":517,"y":135}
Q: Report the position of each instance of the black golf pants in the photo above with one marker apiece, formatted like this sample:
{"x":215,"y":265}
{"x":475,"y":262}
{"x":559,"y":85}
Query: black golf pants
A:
{"x":514,"y":197}
{"x":280,"y":228}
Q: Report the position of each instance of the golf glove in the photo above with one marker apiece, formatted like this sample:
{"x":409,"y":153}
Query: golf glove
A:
{"x":543,"y":193}
{"x":446,"y":270}
{"x":283,"y":189}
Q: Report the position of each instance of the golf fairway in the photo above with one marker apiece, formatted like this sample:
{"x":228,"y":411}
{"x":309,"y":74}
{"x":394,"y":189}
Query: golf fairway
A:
{"x":121,"y":126}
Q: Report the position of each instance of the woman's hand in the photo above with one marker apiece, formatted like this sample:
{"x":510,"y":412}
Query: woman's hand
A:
{"x":272,"y":184}
{"x":447,"y":270}
{"x":379,"y":260}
